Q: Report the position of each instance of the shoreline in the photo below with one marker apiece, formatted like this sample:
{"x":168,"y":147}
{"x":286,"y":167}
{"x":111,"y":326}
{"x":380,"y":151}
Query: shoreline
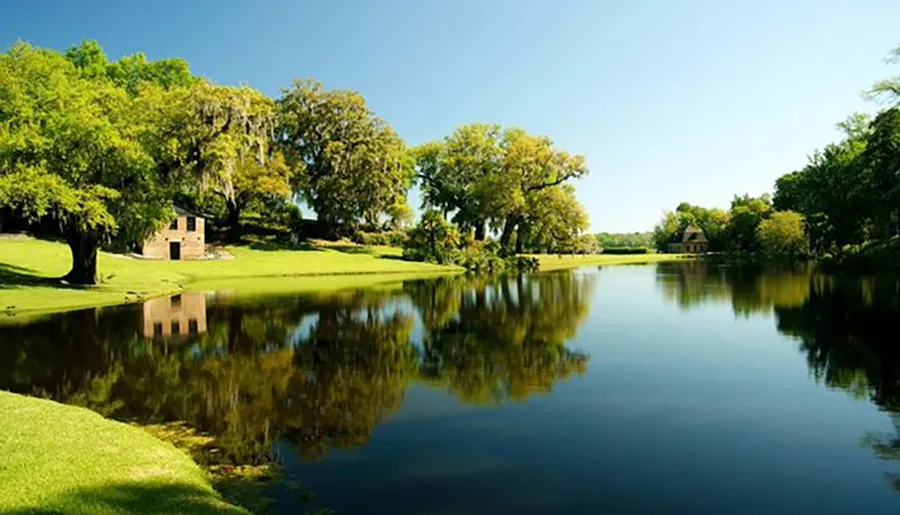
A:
{"x":27,"y":265}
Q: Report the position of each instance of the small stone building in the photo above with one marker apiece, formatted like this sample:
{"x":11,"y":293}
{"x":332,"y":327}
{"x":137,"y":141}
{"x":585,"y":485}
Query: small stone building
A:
{"x":178,"y":315}
{"x":182,"y":239}
{"x":691,"y":240}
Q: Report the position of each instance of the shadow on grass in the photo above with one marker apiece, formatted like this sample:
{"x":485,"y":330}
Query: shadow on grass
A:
{"x":260,"y":244}
{"x":12,"y":275}
{"x":152,"y":498}
{"x":351,"y":249}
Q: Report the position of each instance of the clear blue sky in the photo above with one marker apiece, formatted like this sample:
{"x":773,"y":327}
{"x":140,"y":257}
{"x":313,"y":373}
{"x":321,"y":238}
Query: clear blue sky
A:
{"x":691,"y":100}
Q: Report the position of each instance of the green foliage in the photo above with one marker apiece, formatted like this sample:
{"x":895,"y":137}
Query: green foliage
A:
{"x":608,"y":240}
{"x":508,"y":180}
{"x":130,"y":72}
{"x":715,"y":224}
{"x":83,"y":145}
{"x":347,"y":163}
{"x":888,"y":90}
{"x":783,"y":236}
{"x":433,"y":240}
{"x":746,"y":214}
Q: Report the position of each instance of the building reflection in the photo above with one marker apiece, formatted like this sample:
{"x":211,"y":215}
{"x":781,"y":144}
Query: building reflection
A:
{"x":171,"y":317}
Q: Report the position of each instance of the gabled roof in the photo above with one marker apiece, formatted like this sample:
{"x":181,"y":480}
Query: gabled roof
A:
{"x":180,"y":211}
{"x":690,"y":235}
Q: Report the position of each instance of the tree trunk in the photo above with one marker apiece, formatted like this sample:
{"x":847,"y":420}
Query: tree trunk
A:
{"x":84,"y":247}
{"x":479,"y":230}
{"x":521,"y":235}
{"x":233,"y":221}
{"x":508,"y":227}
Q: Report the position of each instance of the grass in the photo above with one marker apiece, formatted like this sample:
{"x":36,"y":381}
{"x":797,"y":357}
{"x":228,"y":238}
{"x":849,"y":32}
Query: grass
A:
{"x":27,"y":265}
{"x":68,"y":460}
{"x":559,"y":262}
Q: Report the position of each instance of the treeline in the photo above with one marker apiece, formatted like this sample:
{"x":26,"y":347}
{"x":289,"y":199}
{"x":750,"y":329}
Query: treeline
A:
{"x":96,"y":151}
{"x":845,"y":199}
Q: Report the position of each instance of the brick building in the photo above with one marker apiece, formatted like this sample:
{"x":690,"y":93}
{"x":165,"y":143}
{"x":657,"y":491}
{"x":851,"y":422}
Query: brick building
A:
{"x":182,"y":239}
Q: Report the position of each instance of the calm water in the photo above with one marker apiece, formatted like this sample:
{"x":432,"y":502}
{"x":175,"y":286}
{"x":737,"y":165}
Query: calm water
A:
{"x":675,"y":388}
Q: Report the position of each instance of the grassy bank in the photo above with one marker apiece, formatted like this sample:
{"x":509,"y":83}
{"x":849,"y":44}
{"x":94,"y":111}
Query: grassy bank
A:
{"x":68,"y":460}
{"x":26,"y":265}
{"x":559,"y":262}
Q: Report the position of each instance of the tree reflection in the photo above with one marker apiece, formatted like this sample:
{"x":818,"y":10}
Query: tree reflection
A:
{"x":507,"y":339}
{"x":319,"y":370}
{"x":846,"y":326}
{"x":749,"y":289}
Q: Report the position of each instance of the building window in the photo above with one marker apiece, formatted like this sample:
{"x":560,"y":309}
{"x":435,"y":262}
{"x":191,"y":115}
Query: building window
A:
{"x":192,"y":326}
{"x":157,"y":328}
{"x":176,"y":327}
{"x":174,"y":225}
{"x":176,"y":301}
{"x":191,"y":224}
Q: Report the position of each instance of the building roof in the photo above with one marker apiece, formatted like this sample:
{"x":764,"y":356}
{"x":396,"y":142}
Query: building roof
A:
{"x":690,"y":235}
{"x":180,"y":211}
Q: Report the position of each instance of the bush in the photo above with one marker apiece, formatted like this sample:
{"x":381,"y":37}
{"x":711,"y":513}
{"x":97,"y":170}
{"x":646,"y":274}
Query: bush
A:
{"x":627,"y":250}
{"x":437,"y":241}
{"x":390,"y":238}
{"x":434,"y":240}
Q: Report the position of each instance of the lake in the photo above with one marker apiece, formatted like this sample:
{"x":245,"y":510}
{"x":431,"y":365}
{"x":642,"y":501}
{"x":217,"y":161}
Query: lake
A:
{"x":670,"y":388}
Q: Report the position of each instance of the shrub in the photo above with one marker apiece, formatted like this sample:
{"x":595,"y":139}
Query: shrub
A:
{"x":434,"y":240}
{"x":627,"y":250}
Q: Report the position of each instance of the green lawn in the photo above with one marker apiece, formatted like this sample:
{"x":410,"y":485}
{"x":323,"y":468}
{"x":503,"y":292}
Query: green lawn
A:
{"x":558,"y":262}
{"x":68,"y":460}
{"x":26,"y":264}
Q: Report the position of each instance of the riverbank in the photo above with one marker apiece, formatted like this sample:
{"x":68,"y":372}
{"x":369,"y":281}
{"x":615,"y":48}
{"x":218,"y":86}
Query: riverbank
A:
{"x":551,"y":262}
{"x":64,"y":459}
{"x":27,"y":267}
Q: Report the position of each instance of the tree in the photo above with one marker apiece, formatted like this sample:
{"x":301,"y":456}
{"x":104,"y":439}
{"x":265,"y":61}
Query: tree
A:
{"x":73,"y":151}
{"x":530,"y":164}
{"x":783,"y":235}
{"x":714,"y":223}
{"x":746,"y":214}
{"x":553,"y":222}
{"x":486,"y":176}
{"x":347,"y":163}
{"x":130,"y":71}
{"x":887,"y":89}
{"x":228,"y":132}
{"x":608,"y":240}
{"x":881,"y":158}
{"x":459,"y":173}
{"x":834,"y":191}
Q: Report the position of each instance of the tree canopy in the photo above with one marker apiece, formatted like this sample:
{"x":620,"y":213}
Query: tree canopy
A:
{"x":348,"y":164}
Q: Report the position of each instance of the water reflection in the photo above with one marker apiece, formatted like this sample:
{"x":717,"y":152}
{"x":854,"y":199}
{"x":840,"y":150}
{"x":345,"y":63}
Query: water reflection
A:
{"x":175,"y":316}
{"x":846,"y":326}
{"x":320,"y":371}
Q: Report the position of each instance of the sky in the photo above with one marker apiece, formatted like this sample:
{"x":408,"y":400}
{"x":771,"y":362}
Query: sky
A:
{"x":669,"y":101}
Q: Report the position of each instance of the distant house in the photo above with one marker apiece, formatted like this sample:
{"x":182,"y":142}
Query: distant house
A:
{"x":691,"y":240}
{"x":182,"y":239}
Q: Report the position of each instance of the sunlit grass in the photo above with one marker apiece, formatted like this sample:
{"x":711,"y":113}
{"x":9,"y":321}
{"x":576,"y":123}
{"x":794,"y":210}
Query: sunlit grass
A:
{"x":25,"y":263}
{"x":558,"y":262}
{"x":64,"y":459}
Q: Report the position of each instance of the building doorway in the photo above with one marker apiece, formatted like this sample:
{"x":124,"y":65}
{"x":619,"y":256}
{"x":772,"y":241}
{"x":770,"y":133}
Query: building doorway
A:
{"x":175,"y":250}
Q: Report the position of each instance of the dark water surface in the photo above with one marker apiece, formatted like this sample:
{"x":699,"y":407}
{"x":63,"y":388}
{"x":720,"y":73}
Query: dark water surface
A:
{"x":672,"y":388}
